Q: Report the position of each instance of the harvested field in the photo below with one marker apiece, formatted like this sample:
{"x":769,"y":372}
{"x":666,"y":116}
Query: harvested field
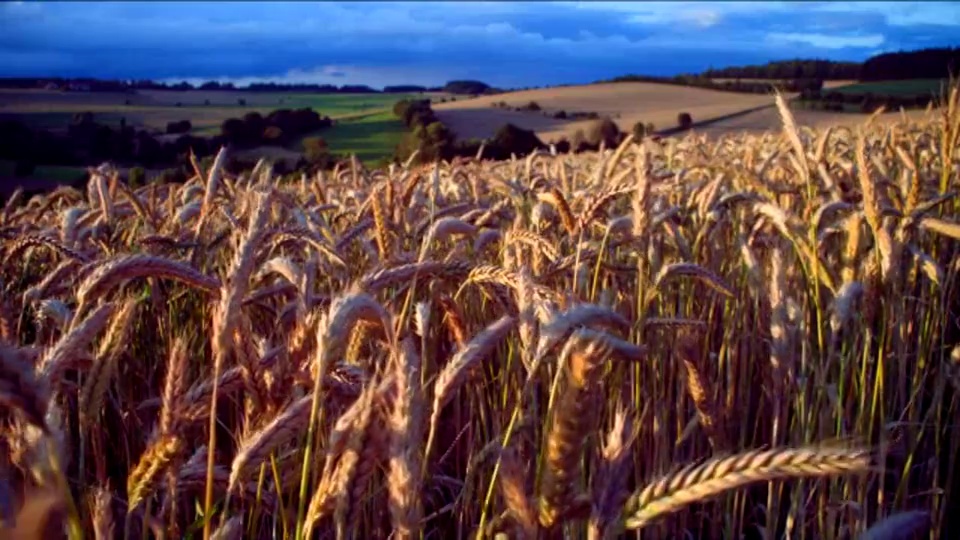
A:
{"x":674,"y":338}
{"x":629,"y":103}
{"x":626,"y":102}
{"x":762,"y":120}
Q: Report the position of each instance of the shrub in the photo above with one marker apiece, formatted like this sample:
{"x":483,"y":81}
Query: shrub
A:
{"x":640,"y":130}
{"x":273,"y":135}
{"x":137,"y":177}
{"x":606,"y":131}
{"x":511,"y":139}
{"x":578,"y":141}
{"x":560,"y":115}
{"x":179,"y":127}
{"x":316,"y":152}
{"x":684,"y":120}
{"x":533,"y":106}
{"x":24,"y":167}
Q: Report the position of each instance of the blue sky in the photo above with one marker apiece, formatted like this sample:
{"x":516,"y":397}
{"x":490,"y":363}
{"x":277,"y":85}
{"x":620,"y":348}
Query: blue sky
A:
{"x":509,"y":44}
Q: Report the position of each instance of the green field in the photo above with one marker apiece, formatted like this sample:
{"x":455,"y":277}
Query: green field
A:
{"x":371,"y":137}
{"x":42,"y":174}
{"x":910,"y":87}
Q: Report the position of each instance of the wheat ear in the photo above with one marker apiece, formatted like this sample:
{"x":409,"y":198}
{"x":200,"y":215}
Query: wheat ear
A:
{"x":673,"y":492}
{"x":570,"y":423}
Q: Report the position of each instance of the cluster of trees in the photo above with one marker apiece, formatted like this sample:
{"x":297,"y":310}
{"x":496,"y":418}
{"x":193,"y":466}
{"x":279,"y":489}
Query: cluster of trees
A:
{"x":432,"y":140}
{"x":278,"y":128}
{"x":790,"y":69}
{"x":469,"y":87}
{"x":923,"y":64}
{"x":931,"y":63}
{"x":87,"y":142}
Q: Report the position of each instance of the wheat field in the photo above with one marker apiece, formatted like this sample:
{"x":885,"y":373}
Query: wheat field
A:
{"x":744,"y":337}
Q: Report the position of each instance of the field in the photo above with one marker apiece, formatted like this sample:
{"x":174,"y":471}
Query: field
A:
{"x":910,"y":87}
{"x":750,"y":336}
{"x":826,"y":84}
{"x":626,"y":103}
{"x":760,"y":121}
{"x":364,"y":122}
{"x":155,"y":108}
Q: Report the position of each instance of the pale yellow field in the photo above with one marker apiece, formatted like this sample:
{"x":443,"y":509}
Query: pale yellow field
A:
{"x":756,"y":122}
{"x":627,"y":103}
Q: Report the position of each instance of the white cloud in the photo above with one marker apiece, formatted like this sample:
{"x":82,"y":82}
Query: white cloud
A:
{"x":901,"y":14}
{"x":824,"y":41}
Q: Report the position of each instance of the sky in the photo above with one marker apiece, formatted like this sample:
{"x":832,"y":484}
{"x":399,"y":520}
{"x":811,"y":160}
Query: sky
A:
{"x":506,"y":44}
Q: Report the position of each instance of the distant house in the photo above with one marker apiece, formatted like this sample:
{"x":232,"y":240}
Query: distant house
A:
{"x":51,"y":86}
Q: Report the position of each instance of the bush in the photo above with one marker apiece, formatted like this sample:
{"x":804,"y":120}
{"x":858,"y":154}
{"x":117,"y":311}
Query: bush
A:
{"x":684,"y":120}
{"x":578,"y":142}
{"x":562,"y":146}
{"x":316,"y":152}
{"x":137,"y":177}
{"x":560,"y":115}
{"x":641,"y":130}
{"x":24,"y":167}
{"x":183,"y":126}
{"x":605,"y":131}
{"x":273,"y":135}
{"x":172,"y":176}
{"x":533,"y":106}
{"x":511,"y":139}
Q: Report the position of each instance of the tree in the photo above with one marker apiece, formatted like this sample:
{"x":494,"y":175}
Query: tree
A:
{"x":466,"y":87}
{"x":24,"y":167}
{"x":605,"y":131}
{"x":640,"y":130}
{"x":182,"y":126}
{"x":511,"y":139}
{"x":684,"y":120}
{"x":316,"y":152}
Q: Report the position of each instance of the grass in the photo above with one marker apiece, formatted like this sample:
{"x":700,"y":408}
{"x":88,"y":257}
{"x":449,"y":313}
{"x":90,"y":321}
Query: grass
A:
{"x":371,"y":137}
{"x":911,"y":87}
{"x":703,"y":337}
{"x":58,"y":173}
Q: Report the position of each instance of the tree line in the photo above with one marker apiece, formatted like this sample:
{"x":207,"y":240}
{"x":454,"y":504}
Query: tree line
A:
{"x":458,"y":87}
{"x":930,"y":63}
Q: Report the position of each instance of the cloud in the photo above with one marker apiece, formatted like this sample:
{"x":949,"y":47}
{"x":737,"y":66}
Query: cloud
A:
{"x":824,"y":41}
{"x":506,"y":44}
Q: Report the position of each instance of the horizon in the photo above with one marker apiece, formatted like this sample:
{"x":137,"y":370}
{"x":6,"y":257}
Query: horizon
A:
{"x":508,"y":45}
